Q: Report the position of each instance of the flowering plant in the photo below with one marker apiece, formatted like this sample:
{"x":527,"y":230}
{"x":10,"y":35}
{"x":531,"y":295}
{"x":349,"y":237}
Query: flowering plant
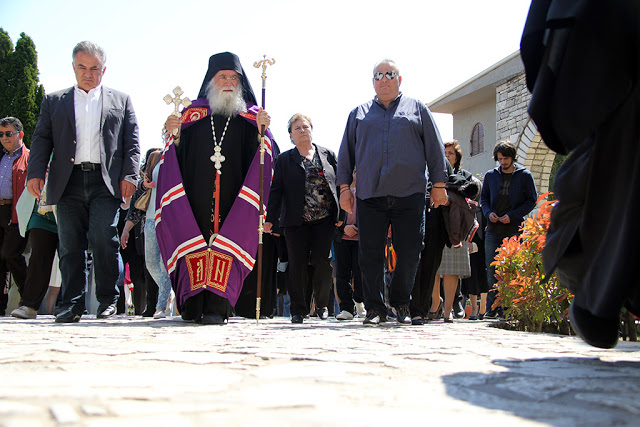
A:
{"x":531,"y":302}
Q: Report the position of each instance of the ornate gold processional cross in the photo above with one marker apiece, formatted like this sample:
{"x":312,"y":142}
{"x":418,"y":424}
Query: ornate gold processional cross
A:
{"x":177,"y":102}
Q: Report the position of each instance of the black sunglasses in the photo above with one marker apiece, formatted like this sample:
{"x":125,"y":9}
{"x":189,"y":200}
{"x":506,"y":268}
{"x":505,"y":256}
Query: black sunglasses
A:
{"x":390,"y":75}
{"x":8,"y":133}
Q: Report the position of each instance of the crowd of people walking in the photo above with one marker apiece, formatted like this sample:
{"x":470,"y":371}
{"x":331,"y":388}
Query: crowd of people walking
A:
{"x":408,"y":241}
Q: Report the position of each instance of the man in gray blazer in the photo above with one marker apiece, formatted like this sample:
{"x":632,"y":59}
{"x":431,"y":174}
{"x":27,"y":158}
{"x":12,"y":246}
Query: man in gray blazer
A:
{"x":93,"y":135}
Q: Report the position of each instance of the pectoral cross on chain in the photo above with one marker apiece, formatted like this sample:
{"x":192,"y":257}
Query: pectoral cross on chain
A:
{"x":217,"y":158}
{"x":177,"y":102}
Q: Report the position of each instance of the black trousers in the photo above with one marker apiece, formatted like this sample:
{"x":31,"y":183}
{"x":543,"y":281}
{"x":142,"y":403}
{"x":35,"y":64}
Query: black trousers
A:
{"x":348,"y":269}
{"x":43,"y":251}
{"x":309,"y":244}
{"x":12,"y":245}
{"x":434,"y":242}
{"x":205,"y":302}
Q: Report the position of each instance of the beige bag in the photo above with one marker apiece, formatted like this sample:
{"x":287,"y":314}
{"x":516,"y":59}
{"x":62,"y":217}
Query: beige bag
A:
{"x":143,"y":200}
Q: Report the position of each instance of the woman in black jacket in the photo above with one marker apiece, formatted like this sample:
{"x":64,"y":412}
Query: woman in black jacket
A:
{"x":304,"y":202}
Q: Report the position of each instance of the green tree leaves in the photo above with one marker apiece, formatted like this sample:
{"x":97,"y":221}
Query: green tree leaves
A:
{"x":20,"y":90}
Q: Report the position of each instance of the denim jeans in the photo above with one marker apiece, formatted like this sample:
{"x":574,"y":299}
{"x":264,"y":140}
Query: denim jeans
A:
{"x":492,"y":241}
{"x":406,"y":217}
{"x":155,"y":265}
{"x":88,"y":214}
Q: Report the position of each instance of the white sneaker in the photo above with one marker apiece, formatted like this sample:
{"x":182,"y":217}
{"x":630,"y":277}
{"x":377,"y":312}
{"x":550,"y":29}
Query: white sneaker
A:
{"x":159,"y":314}
{"x":360,"y":310}
{"x":24,"y":312}
{"x":344,"y":315}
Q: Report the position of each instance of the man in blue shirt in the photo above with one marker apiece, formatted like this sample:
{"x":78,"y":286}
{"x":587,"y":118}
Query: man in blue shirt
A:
{"x":390,"y":140}
{"x":508,"y":195}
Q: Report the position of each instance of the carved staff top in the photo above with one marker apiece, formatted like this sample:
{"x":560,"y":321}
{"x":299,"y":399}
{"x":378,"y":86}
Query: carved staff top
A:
{"x":264,"y":62}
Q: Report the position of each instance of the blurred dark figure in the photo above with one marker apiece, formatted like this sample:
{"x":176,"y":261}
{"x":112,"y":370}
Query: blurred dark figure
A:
{"x":582,"y":65}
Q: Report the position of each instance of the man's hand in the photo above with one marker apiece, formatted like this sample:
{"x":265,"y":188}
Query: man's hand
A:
{"x":439,"y":195}
{"x":351,"y":230}
{"x":127,"y":189}
{"x":504,"y":219}
{"x":263,"y":119}
{"x":266,"y":227}
{"x":172,"y":124}
{"x":493,"y":217}
{"x":35,"y":187}
{"x":346,"y":200}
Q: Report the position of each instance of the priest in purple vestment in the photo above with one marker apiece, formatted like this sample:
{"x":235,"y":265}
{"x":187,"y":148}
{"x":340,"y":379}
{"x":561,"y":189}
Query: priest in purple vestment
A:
{"x":219,"y":134}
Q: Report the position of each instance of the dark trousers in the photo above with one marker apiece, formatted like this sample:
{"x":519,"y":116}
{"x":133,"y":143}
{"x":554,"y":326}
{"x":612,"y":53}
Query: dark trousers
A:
{"x":204,"y":303}
{"x":492,"y":241}
{"x":406,"y":217}
{"x":348,"y":269}
{"x":434,"y":242}
{"x":145,"y":289}
{"x":12,"y":245}
{"x":88,"y":213}
{"x":309,"y":244}
{"x":43,"y":251}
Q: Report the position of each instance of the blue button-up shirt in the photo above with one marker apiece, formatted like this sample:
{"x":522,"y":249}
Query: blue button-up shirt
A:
{"x":391,"y":149}
{"x":6,"y":172}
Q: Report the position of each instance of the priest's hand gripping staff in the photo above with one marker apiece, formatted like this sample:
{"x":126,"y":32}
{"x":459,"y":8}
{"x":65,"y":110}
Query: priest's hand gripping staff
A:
{"x":262,"y":63}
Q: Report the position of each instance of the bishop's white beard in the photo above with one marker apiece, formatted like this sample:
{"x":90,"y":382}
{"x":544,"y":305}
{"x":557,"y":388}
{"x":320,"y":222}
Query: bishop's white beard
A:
{"x":226,"y":104}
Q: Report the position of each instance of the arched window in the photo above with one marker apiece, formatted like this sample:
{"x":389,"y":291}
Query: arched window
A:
{"x":477,"y":139}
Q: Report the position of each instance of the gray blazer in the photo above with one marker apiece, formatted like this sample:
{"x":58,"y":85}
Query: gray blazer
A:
{"x":56,"y":132}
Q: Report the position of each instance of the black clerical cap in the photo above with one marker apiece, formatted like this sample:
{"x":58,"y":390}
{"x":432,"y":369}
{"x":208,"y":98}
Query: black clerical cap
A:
{"x":227,"y":61}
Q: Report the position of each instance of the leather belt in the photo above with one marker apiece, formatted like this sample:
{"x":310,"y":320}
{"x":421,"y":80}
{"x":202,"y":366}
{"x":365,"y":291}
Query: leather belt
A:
{"x":87,"y":166}
{"x":5,"y":202}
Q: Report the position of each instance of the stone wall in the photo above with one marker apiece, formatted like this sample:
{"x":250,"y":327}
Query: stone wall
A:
{"x":512,"y":100}
{"x":513,"y":122}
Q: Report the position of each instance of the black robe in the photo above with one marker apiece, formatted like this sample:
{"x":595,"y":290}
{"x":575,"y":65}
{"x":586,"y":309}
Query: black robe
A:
{"x":583,"y":67}
{"x":194,"y":150}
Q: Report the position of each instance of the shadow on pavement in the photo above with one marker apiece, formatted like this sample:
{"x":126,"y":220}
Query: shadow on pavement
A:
{"x":559,"y":391}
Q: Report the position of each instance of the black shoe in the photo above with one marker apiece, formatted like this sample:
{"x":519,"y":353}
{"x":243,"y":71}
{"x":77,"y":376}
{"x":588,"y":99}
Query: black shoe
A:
{"x":374,"y":319}
{"x":213,"y":319}
{"x":491,"y":315}
{"x":475,"y":317}
{"x":296,"y":318}
{"x":458,"y":311}
{"x":148,"y":313}
{"x":106,"y":311}
{"x":403,"y":316}
{"x":323,"y":313}
{"x":67,"y":316}
{"x":596,"y":331}
{"x":417,"y":321}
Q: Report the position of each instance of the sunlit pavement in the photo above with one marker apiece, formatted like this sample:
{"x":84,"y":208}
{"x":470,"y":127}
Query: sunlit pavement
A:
{"x":139,"y":371}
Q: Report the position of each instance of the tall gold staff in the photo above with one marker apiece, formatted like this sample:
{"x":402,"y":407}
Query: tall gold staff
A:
{"x":263,"y":62}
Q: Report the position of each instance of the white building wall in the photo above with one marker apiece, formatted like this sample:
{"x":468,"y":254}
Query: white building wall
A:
{"x":463,"y":123}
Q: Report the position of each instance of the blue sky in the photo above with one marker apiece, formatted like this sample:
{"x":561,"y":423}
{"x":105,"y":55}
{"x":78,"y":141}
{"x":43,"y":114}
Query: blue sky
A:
{"x":324,"y":51}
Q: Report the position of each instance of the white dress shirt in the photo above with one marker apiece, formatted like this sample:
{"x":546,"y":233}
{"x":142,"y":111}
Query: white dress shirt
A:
{"x":88,"y":109}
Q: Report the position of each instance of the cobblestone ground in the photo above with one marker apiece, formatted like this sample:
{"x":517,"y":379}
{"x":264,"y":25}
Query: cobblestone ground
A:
{"x":138,"y":371}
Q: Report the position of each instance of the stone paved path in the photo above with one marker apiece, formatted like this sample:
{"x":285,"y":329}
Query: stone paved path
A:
{"x":136,"y":371}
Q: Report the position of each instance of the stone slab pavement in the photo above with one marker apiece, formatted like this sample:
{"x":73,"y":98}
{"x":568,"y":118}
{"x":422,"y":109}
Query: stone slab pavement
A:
{"x":138,"y":371}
